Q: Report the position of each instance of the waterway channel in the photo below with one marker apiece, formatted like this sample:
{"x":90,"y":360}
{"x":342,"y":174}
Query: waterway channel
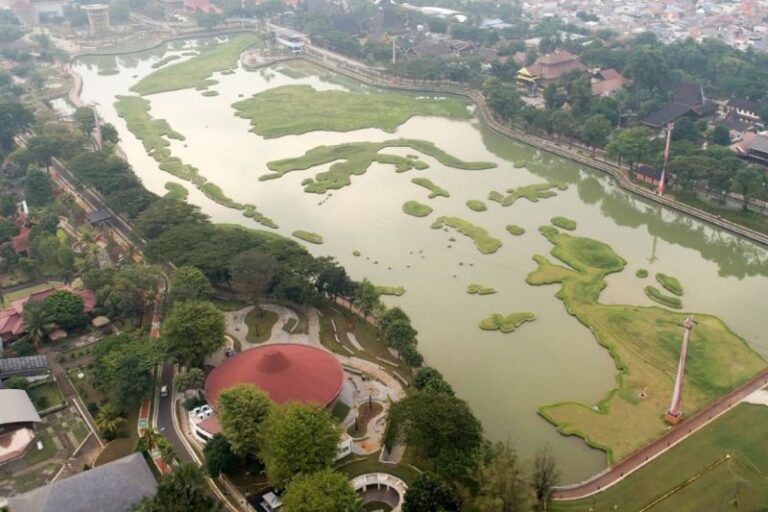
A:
{"x":505,"y":377}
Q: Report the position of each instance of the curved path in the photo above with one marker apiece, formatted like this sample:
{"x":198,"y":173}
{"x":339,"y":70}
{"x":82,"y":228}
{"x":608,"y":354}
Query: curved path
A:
{"x":664,"y":443}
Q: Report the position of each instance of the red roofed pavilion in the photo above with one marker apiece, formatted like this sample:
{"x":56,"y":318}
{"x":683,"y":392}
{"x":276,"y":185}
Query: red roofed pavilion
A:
{"x":286,"y":372}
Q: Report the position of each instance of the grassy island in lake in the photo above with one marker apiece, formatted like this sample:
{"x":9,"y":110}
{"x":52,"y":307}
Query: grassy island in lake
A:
{"x":356,"y":157}
{"x":669,"y":283}
{"x":308,"y":236}
{"x":506,"y":323}
{"x":644,"y":342}
{"x":530,"y":192}
{"x":476,"y":205}
{"x":417,"y":209}
{"x":515,"y":230}
{"x":564,"y":223}
{"x":484,"y":242}
{"x":297,"y":109}
{"x":478,"y":289}
{"x":656,"y":295}
{"x":390,"y":290}
{"x":434,"y":190}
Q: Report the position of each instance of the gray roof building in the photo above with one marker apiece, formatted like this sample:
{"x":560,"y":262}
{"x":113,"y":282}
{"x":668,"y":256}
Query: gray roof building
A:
{"x":16,"y":408}
{"x":23,"y":366}
{"x":114,"y":487}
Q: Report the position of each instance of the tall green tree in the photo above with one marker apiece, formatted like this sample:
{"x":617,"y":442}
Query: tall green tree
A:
{"x":84,"y":117}
{"x":38,"y":188}
{"x":189,"y":283}
{"x":503,"y":482}
{"x":37,"y":323}
{"x":192,"y":378}
{"x":65,"y":309}
{"x":430,"y":380}
{"x":124,"y":369}
{"x":298,"y":438}
{"x":749,"y":182}
{"x":242,"y":411}
{"x":430,"y":493}
{"x":108,"y":421}
{"x":596,"y":130}
{"x":367,"y":297}
{"x":192,"y":331}
{"x":322,"y":491}
{"x":220,"y":458}
{"x":544,"y":478}
{"x":439,"y":428}
{"x":253,"y":273}
{"x":14,"y":119}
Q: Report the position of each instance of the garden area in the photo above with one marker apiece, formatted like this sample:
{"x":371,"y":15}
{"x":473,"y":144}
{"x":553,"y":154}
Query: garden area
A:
{"x":260,"y":323}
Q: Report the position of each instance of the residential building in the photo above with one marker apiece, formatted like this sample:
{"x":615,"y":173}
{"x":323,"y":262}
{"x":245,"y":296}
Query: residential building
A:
{"x":18,"y":417}
{"x":549,"y":68}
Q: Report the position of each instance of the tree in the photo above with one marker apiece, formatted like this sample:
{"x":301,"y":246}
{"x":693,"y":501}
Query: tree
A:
{"x":188,"y":283}
{"x":545,"y":477}
{"x":748,"y":182}
{"x":685,"y":129}
{"x":721,"y":136}
{"x":392,"y":315}
{"x":17,"y":383}
{"x":149,"y":440}
{"x":219,"y":457}
{"x":14,"y":119}
{"x":65,"y":309}
{"x":429,"y":380}
{"x":298,"y":438}
{"x":124,"y":369}
{"x":108,"y":421}
{"x":333,"y":279}
{"x":38,"y":188}
{"x":242,"y":411}
{"x":84,"y":117}
{"x":192,"y":331}
{"x":166,"y":213}
{"x":252,"y":274}
{"x":399,"y":334}
{"x":596,"y":130}
{"x":411,"y":355}
{"x":109,"y":133}
{"x":181,"y":491}
{"x":430,"y":493}
{"x":322,"y":491}
{"x":366,"y":297}
{"x":503,"y":484}
{"x":440,"y":429}
{"x":193,"y":378}
{"x":631,"y":144}
{"x":37,"y":323}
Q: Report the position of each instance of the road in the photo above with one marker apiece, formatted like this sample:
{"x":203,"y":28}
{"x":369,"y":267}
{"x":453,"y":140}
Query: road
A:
{"x":164,"y":407}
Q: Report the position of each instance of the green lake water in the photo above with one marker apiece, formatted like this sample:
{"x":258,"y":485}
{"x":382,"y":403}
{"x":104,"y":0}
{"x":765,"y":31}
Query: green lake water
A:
{"x":504,"y":377}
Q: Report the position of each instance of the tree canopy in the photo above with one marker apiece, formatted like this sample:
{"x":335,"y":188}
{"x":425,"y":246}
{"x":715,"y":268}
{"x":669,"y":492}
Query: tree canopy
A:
{"x":192,"y":331}
{"x":322,"y":491}
{"x":430,"y":493}
{"x":242,"y":411}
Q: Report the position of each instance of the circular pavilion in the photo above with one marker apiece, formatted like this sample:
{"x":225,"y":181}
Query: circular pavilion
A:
{"x":287,"y":372}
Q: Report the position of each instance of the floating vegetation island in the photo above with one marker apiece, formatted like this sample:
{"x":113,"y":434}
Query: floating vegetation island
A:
{"x":484,"y":242}
{"x":390,"y":290}
{"x":308,"y":236}
{"x":669,"y":283}
{"x":434,"y":190}
{"x":515,"y":230}
{"x":355,"y":159}
{"x":416,"y":209}
{"x":478,"y":289}
{"x":506,"y":324}
{"x":656,"y":295}
{"x":564,"y":223}
{"x":530,"y":192}
{"x":476,"y":205}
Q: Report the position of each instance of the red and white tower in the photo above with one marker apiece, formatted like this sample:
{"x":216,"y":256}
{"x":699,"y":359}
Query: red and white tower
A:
{"x":675,"y":412}
{"x":663,"y":180}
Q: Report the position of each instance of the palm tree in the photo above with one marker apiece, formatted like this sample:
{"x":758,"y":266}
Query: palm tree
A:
{"x":167,"y":452}
{"x":108,"y":421}
{"x":149,"y":440}
{"x":37,"y":322}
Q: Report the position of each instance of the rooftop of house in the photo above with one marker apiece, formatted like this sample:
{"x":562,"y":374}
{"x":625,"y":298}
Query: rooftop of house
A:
{"x":17,"y":407}
{"x":742,"y":104}
{"x":23,"y":365}
{"x":114,"y":487}
{"x":666,"y":114}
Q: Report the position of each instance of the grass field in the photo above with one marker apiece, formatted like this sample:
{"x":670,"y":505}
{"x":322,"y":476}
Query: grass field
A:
{"x":261,"y":323}
{"x":434,"y":190}
{"x":45,"y":395}
{"x":196,"y":72}
{"x":742,"y":478}
{"x":154,"y":135}
{"x":308,"y":236}
{"x":360,"y":466}
{"x":530,"y":192}
{"x":9,"y":297}
{"x":506,"y":323}
{"x":297,"y":109}
{"x":416,"y":208}
{"x":484,"y":242}
{"x":750,"y":219}
{"x":645,"y":345}
{"x":355,"y":159}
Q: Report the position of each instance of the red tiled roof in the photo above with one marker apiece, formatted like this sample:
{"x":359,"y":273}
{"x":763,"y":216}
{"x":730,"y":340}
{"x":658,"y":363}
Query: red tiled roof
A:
{"x":286,"y":372}
{"x":211,"y":425}
{"x":12,"y":318}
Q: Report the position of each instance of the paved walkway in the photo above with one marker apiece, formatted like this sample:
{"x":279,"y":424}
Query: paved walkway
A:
{"x":674,"y":435}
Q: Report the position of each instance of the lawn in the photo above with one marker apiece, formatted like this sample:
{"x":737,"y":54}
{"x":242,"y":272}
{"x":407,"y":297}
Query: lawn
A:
{"x":530,"y":192}
{"x":196,"y":72}
{"x":45,"y":396}
{"x":750,"y":219}
{"x":416,"y":208}
{"x":354,"y":158}
{"x":645,"y":345}
{"x":297,"y":109}
{"x":35,"y":456}
{"x":340,"y":411}
{"x":154,"y":134}
{"x":739,"y":433}
{"x":434,"y":190}
{"x":24,"y":292}
{"x":357,"y":466}
{"x":484,"y":242}
{"x":125,"y":443}
{"x":261,"y":323}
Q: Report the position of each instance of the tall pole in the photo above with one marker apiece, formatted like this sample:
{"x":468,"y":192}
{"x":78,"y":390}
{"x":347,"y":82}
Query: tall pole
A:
{"x":394,"y":60}
{"x":674,"y":414}
{"x":660,"y":190}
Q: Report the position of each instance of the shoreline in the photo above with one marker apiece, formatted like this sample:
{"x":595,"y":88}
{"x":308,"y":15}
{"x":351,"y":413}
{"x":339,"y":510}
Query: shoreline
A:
{"x":618,"y":174}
